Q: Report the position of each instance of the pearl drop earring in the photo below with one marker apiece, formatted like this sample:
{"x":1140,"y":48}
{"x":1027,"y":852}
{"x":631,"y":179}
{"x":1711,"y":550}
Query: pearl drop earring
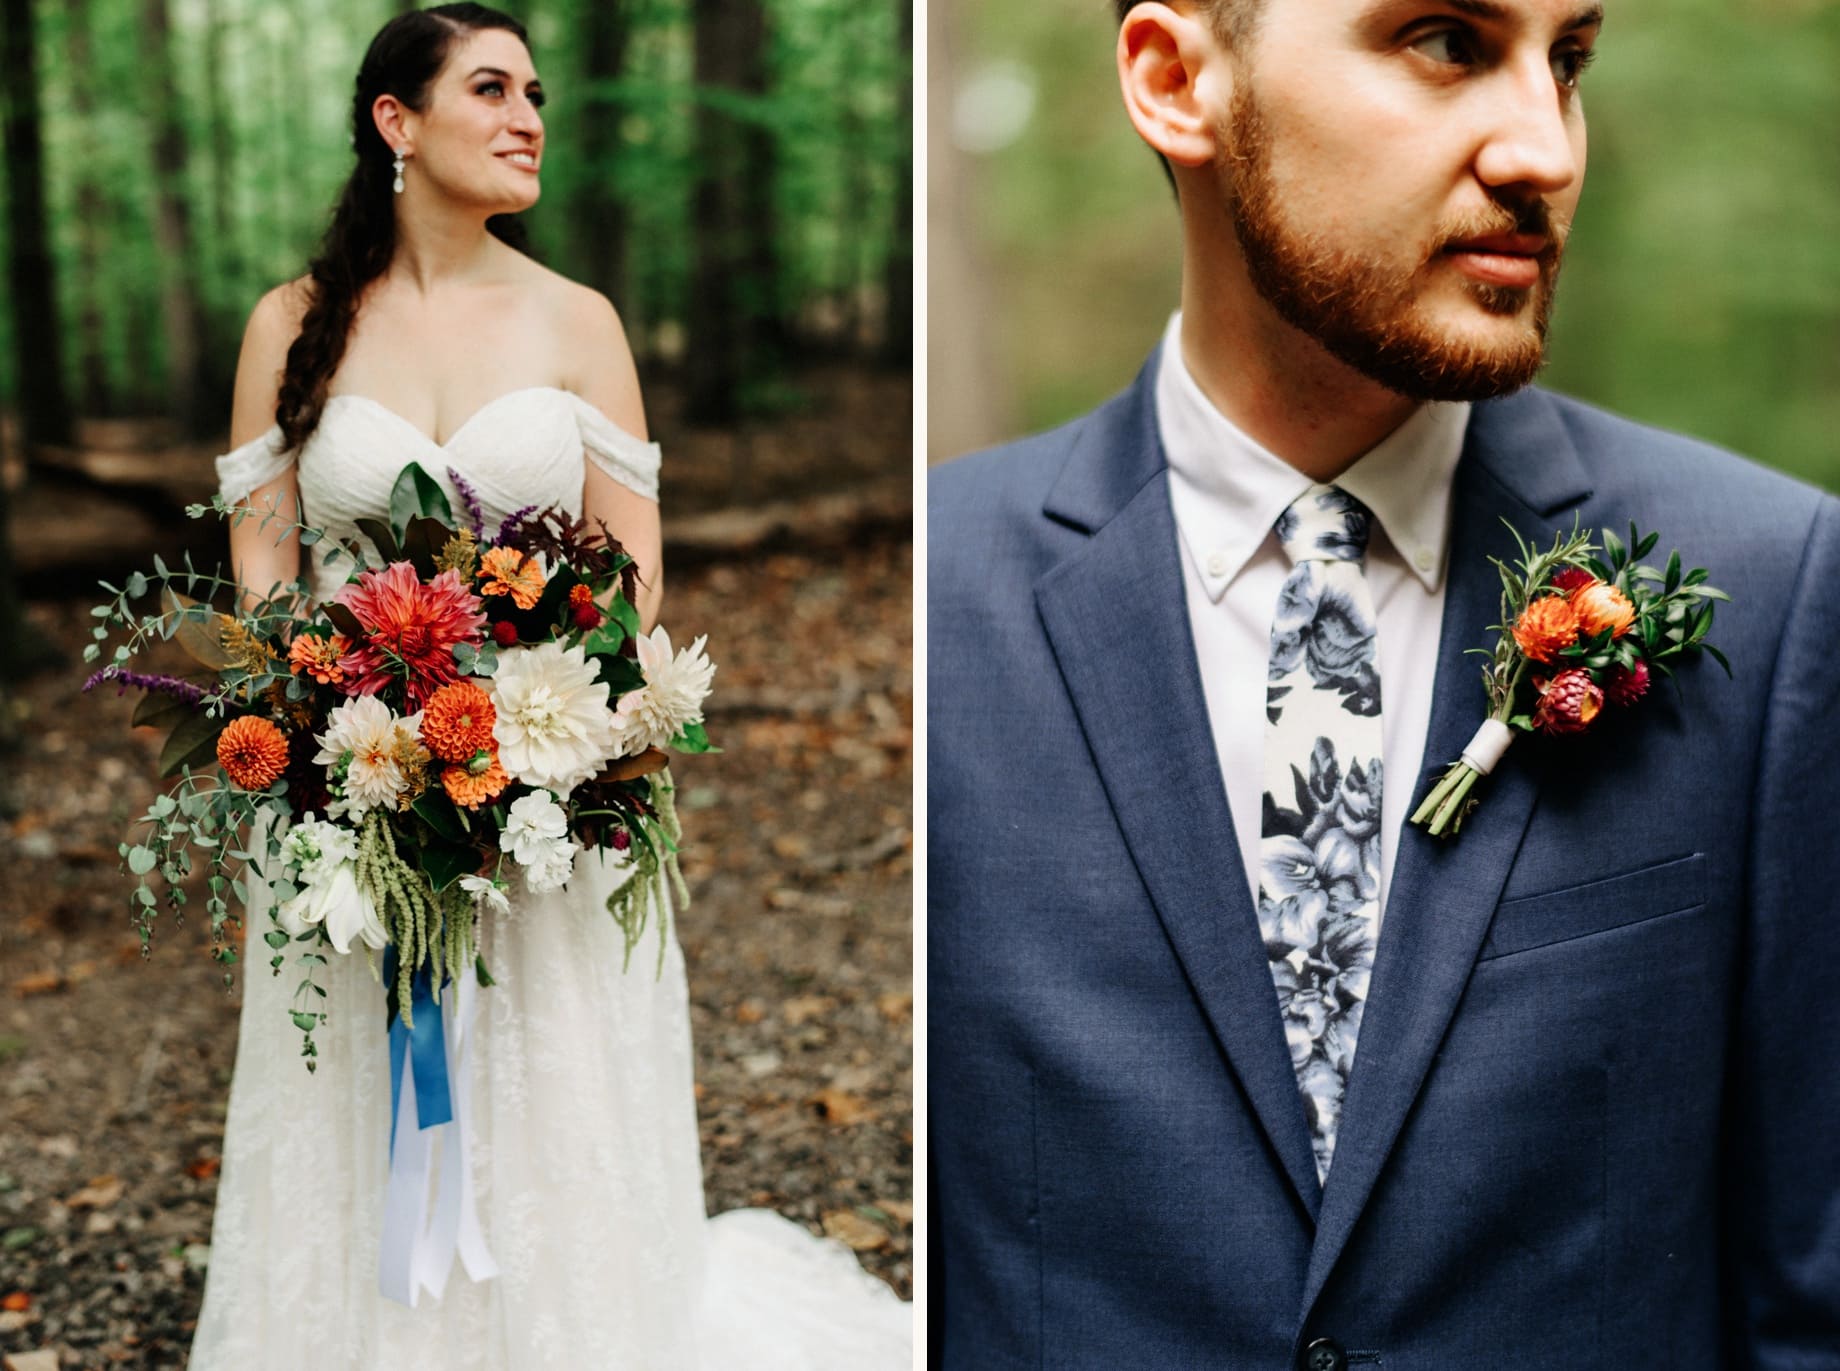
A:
{"x":398,"y":185}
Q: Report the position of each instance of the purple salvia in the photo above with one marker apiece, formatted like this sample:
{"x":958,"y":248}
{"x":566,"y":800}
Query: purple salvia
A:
{"x":471,"y":500}
{"x":512,"y":520}
{"x":175,"y":686}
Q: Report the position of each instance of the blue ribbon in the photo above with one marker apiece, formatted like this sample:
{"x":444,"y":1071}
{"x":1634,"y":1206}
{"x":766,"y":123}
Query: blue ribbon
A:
{"x":425,"y":1047}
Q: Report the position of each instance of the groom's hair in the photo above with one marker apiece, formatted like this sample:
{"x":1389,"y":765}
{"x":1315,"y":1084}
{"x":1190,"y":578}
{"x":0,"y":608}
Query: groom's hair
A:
{"x":1232,"y":19}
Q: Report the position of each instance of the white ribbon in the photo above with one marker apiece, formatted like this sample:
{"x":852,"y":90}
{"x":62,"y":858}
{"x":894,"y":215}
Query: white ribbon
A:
{"x":1489,"y":746}
{"x":419,"y":1248}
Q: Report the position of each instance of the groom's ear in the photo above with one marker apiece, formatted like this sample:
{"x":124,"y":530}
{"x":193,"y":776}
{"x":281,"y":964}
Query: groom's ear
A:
{"x":1175,"y":77}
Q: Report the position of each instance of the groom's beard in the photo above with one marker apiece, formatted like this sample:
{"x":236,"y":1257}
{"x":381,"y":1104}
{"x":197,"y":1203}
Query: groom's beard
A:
{"x":1365,"y":310}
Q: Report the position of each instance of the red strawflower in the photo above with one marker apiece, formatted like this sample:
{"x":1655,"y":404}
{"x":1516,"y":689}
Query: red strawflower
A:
{"x":1626,"y":685}
{"x":1568,"y":702}
{"x":504,"y":633}
{"x":410,"y":630}
{"x":1571,"y":578}
{"x":583,"y":612}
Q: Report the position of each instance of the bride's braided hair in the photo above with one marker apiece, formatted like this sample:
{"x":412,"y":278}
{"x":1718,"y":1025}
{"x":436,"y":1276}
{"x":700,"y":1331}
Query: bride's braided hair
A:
{"x":403,"y":60}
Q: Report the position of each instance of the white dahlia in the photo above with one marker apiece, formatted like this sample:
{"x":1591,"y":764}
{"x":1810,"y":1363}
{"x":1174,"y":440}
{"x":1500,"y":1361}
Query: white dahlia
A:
{"x":554,"y":729}
{"x":377,"y":742}
{"x":536,"y":835}
{"x":672,"y":696}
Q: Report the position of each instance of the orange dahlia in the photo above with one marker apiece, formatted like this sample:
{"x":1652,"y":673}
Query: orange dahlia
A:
{"x":318,"y":657}
{"x":1546,"y":628}
{"x":508,"y":571}
{"x":457,"y":722}
{"x":473,"y":788}
{"x":1599,"y":607}
{"x":252,"y":752}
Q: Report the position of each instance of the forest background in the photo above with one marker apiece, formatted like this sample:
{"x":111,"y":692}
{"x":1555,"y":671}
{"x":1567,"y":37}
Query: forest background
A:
{"x":1701,"y":290}
{"x":736,"y":176}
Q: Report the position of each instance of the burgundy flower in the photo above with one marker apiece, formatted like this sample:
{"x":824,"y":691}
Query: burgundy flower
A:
{"x":1626,"y":685}
{"x":1568,"y":702}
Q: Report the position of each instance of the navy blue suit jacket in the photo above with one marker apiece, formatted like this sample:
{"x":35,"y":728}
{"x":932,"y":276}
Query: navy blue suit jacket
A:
{"x":1594,"y":1119}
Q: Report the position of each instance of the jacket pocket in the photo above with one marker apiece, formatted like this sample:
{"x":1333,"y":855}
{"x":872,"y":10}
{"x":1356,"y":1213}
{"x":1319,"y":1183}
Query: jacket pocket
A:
{"x":1579,"y":911}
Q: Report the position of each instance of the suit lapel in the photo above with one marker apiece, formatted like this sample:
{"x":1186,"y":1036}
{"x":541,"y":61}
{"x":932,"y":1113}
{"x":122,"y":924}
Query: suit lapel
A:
{"x":1116,"y":618}
{"x":1519,"y":464}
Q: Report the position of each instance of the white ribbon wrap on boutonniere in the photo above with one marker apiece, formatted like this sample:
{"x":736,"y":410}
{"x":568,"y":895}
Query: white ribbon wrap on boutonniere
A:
{"x":1489,"y":746}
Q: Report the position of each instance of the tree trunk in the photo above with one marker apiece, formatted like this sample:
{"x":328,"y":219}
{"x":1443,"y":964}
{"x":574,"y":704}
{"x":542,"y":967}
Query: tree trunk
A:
{"x":600,"y":220}
{"x":181,"y":310}
{"x":92,"y":219}
{"x":898,"y":288}
{"x":724,"y":303}
{"x":220,"y":366}
{"x":23,"y":650}
{"x":44,"y":407}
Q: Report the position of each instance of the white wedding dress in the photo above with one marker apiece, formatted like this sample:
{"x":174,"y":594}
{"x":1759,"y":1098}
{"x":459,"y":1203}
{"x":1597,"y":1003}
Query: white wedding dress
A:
{"x":584,"y":1154}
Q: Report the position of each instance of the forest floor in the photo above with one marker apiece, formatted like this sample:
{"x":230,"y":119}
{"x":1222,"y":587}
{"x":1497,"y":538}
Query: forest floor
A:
{"x":114,"y":1070}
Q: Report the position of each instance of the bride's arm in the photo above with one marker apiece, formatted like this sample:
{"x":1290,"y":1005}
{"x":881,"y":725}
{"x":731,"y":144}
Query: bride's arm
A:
{"x":261,"y":556}
{"x":609,"y":382}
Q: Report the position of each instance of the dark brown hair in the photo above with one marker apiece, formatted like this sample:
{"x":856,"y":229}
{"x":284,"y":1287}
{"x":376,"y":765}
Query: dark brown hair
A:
{"x":402,"y":60}
{"x":1232,"y":19}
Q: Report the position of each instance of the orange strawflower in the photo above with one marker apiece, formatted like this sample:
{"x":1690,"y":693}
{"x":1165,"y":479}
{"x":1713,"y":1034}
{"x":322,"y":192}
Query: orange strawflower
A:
{"x":1599,"y":607}
{"x":473,"y":788}
{"x":1546,"y":628}
{"x":252,"y":752}
{"x":318,"y":657}
{"x":510,"y":572}
{"x":457,"y":722}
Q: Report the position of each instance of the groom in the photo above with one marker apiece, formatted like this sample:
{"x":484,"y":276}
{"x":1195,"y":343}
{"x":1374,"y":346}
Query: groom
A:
{"x":1231,"y":1067}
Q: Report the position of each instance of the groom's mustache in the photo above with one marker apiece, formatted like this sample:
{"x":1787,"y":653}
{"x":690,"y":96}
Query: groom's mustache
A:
{"x":1530,"y":223}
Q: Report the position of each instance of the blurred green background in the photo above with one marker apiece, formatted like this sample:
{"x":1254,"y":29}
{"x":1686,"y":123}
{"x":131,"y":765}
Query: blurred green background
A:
{"x":1701,"y":289}
{"x":187,"y":153}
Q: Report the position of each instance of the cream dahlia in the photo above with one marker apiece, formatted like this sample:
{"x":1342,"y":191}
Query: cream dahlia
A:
{"x":672,"y":696}
{"x":377,"y":744}
{"x":410,"y":630}
{"x":554,"y":729}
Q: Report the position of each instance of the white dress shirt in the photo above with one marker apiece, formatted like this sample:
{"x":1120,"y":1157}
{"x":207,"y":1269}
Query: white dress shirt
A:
{"x":1227,"y":492}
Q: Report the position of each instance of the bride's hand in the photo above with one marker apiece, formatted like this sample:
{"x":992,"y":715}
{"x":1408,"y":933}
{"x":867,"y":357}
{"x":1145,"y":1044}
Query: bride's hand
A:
{"x":609,"y":382}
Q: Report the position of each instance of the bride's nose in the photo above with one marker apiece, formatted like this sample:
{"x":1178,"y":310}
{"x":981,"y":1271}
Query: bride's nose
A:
{"x":524,"y":116}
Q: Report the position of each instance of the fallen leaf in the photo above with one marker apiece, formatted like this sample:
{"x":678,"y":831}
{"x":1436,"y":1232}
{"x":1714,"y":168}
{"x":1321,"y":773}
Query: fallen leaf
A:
{"x":100,"y":1193}
{"x":17,"y":1300}
{"x":840,"y":1108}
{"x":791,"y":845}
{"x":854,"y":1231}
{"x":40,"y":983}
{"x":802,"y":1009}
{"x":203,"y":1168}
{"x":896,"y":1005}
{"x":901,"y":1211}
{"x":12,"y":1322}
{"x":750,"y":1012}
{"x":58,"y":1145}
{"x":45,"y":1359}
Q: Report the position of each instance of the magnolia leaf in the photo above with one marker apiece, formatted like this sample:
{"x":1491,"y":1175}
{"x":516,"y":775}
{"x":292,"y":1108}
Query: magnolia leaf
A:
{"x":437,"y":810}
{"x":201,"y":631}
{"x":417,"y":493}
{"x":344,"y":620}
{"x":444,"y":863}
{"x":382,"y":537}
{"x":631,"y":768}
{"x":159,"y":711}
{"x":620,"y":673}
{"x":192,"y":743}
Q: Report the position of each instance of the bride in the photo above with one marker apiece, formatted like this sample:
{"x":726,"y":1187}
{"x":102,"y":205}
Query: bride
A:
{"x":423,"y":333}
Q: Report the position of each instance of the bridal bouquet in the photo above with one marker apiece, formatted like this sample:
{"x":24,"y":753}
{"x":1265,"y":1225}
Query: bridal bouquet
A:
{"x":1580,"y":634}
{"x":469,"y":711}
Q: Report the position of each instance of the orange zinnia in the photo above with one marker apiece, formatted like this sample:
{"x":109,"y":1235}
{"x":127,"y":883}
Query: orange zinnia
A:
{"x":318,"y":658}
{"x":252,"y":752}
{"x":510,"y":572}
{"x":457,"y":722}
{"x":1599,"y":607}
{"x":471,"y":789}
{"x":1546,"y":628}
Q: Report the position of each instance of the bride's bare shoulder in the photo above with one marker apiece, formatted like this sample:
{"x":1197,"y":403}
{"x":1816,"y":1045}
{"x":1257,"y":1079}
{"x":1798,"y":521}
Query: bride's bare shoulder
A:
{"x":273,"y":326}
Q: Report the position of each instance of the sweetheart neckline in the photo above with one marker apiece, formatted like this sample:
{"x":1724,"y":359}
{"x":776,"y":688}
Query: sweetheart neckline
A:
{"x":464,"y":423}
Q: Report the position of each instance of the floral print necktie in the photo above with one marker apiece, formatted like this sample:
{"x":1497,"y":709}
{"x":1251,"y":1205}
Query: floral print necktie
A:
{"x":1319,"y":848}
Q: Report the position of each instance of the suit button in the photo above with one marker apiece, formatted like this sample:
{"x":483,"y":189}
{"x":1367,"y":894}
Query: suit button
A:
{"x":1325,"y":1354}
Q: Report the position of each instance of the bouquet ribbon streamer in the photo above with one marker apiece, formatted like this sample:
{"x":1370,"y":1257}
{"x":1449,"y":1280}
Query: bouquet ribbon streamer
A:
{"x":429,"y":1103}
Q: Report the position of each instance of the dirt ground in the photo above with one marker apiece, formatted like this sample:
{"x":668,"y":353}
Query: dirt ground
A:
{"x":114,"y":1070}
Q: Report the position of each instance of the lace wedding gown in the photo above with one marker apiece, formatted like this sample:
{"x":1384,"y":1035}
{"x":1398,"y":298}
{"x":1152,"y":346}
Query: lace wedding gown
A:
{"x":584,"y":1155}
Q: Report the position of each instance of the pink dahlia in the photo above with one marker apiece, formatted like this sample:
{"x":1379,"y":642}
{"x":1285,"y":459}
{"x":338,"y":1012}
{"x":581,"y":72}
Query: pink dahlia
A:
{"x":411,"y":629}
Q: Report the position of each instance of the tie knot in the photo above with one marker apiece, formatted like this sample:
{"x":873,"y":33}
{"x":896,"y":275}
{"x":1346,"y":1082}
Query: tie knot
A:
{"x":1324,"y":524}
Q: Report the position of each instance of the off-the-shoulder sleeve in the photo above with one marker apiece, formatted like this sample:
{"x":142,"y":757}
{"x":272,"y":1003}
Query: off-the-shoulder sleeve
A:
{"x":634,"y":464}
{"x":255,"y":463}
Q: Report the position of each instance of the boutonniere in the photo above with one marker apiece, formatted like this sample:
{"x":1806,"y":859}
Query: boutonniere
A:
{"x":1579,"y":633}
